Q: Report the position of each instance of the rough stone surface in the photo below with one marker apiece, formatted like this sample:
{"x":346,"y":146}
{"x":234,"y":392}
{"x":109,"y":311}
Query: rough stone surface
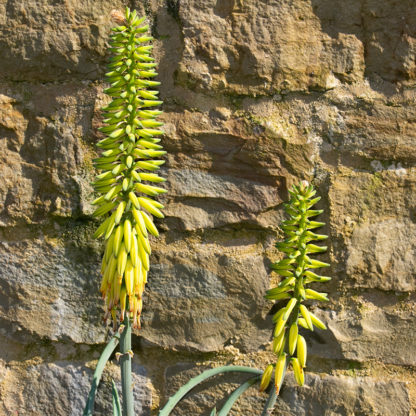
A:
{"x":380,"y":255}
{"x":44,"y":166}
{"x":43,"y":289}
{"x":205,"y":282}
{"x":61,"y":387}
{"x":213,"y":200}
{"x":266,"y":63}
{"x":257,"y":95}
{"x":341,"y":395}
{"x":378,"y":245}
{"x":371,"y":327}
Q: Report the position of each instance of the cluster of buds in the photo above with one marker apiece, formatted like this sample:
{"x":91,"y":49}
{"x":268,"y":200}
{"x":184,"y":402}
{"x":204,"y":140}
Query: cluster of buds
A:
{"x":296,"y":270}
{"x":128,"y":161}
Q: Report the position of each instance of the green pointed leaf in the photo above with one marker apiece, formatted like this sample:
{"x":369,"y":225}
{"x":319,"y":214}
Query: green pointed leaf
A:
{"x":116,"y":400}
{"x":312,"y":202}
{"x":314,"y":224}
{"x":313,"y":212}
{"x":313,"y":294}
{"x":315,"y":264}
{"x":316,"y":278}
{"x":312,"y":248}
{"x":278,"y":290}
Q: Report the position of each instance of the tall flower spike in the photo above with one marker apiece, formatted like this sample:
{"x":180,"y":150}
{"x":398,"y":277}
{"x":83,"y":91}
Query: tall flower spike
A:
{"x":296,"y":272}
{"x":128,"y":162}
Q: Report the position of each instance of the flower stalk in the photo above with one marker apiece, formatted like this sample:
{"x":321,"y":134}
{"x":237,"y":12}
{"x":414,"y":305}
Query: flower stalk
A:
{"x":125,"y":364}
{"x":128,"y":164}
{"x":296,"y":270}
{"x":129,"y":159}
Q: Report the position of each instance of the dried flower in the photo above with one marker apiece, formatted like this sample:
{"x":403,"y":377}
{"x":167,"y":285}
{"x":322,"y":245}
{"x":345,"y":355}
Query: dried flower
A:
{"x":118,"y":16}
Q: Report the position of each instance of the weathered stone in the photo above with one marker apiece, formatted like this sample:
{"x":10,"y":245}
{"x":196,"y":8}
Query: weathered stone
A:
{"x":206,"y":294}
{"x":61,"y":389}
{"x":383,"y":132}
{"x":341,"y":395}
{"x":49,"y":41}
{"x":250,"y":48}
{"x":380,"y":255}
{"x":49,"y":290}
{"x":374,"y":248}
{"x":388,"y":38}
{"x":45,"y":167}
{"x":370,"y":327}
{"x":185,"y":281}
{"x":232,"y":165}
{"x":211,"y":200}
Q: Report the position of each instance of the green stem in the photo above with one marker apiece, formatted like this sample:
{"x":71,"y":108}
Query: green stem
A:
{"x":236,"y":394}
{"x":106,"y":354}
{"x":175,"y":399}
{"x":125,"y":364}
{"x":271,"y":401}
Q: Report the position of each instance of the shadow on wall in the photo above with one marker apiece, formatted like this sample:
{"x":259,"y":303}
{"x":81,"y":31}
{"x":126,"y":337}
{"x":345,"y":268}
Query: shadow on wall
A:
{"x":387,"y":30}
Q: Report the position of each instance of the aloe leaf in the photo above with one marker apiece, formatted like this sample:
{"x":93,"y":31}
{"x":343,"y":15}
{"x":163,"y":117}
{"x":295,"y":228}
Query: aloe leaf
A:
{"x":271,"y":401}
{"x":176,"y":398}
{"x":236,"y":394}
{"x":116,"y":400}
{"x":105,"y":356}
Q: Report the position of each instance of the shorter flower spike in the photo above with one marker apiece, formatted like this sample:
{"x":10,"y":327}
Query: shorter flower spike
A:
{"x":296,"y":271}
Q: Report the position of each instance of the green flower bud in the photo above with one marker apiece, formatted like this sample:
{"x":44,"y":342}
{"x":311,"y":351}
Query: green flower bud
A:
{"x":295,"y":268}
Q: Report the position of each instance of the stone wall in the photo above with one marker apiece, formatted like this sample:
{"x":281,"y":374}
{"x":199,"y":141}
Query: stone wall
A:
{"x":258,"y":94}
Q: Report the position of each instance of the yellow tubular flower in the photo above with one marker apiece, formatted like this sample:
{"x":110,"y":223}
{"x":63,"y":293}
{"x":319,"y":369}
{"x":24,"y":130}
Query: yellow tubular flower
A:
{"x":267,"y":376}
{"x":128,"y":169}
